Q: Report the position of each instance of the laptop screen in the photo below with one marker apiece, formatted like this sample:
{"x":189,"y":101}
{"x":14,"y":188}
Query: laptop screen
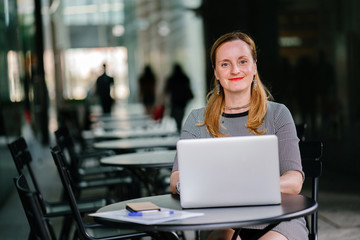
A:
{"x":230,"y":171}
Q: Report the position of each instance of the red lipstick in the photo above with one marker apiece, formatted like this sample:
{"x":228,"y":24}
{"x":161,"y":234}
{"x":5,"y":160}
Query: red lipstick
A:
{"x":236,"y":79}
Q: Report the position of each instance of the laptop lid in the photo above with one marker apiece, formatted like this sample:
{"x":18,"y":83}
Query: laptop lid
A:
{"x":229,"y":171}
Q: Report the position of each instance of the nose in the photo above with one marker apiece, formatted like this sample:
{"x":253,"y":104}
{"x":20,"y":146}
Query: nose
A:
{"x":235,"y":69}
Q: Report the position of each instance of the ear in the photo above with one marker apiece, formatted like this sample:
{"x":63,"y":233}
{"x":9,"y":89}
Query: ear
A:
{"x":255,"y":68}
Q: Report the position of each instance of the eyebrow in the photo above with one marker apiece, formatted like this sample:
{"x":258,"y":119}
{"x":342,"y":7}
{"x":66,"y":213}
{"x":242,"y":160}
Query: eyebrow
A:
{"x":224,"y":60}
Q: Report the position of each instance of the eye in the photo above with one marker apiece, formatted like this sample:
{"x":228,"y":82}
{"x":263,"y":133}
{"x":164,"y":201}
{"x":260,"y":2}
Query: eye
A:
{"x":225,"y":64}
{"x":243,"y":62}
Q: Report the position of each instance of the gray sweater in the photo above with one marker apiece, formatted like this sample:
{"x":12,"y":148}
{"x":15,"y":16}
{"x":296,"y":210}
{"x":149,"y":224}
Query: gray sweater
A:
{"x":278,"y":121}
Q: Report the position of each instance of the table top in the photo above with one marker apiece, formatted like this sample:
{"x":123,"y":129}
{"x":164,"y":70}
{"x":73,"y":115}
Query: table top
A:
{"x":137,"y":143}
{"x":128,"y":117}
{"x":149,"y":159}
{"x":124,"y":115}
{"x":124,"y":124}
{"x":292,"y":206}
{"x":99,"y":133}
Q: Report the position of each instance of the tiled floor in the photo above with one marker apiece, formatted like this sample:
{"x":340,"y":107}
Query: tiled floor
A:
{"x":339,"y":216}
{"x":339,"y":207}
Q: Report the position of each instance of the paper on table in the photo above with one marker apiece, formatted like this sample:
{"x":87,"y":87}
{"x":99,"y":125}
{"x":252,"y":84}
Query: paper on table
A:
{"x":164,"y":215}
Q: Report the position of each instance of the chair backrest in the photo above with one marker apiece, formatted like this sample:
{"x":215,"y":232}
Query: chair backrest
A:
{"x":311,"y":153}
{"x":67,"y":145}
{"x":64,"y":140}
{"x":65,"y":177}
{"x":40,"y":226}
{"x":22,"y":158}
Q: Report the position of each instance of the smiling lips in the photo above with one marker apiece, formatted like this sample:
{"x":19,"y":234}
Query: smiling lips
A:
{"x":236,"y":79}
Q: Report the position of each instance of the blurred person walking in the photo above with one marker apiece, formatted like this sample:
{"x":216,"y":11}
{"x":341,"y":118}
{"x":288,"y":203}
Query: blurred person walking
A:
{"x":178,"y":87}
{"x":104,"y":83}
{"x":147,"y":89}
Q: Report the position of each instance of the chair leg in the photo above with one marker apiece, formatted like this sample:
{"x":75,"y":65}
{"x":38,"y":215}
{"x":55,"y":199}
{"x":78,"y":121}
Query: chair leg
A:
{"x":66,"y":227}
{"x":314,"y":225}
{"x":236,"y":233}
{"x":197,"y":235}
{"x":181,"y":235}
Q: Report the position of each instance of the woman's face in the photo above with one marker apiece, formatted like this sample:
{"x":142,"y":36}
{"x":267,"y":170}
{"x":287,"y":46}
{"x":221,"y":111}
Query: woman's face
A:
{"x":235,"y":68}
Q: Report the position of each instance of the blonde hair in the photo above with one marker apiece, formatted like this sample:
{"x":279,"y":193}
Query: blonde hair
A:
{"x":215,"y":102}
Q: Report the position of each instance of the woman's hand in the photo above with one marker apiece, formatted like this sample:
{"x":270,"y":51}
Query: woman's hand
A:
{"x":174,"y":178}
{"x":291,"y":182}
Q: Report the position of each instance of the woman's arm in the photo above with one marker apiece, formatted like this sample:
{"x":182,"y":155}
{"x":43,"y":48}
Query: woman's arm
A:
{"x":291,"y":182}
{"x":174,"y":178}
{"x":190,"y":130}
{"x":291,"y":175}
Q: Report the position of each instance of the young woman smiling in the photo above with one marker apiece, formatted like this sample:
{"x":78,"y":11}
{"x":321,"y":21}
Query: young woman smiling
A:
{"x":239,"y":105}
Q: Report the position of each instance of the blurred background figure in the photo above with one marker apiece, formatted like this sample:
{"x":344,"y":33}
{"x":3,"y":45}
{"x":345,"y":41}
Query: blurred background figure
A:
{"x":104,"y":83}
{"x":178,"y":87}
{"x":147,"y":89}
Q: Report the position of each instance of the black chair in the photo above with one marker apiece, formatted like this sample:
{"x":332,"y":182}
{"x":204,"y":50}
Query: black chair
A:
{"x":82,"y":232}
{"x":40,"y":226}
{"x":22,"y":159}
{"x":70,"y":118}
{"x":78,"y":159}
{"x":311,"y":153}
{"x":90,"y":177}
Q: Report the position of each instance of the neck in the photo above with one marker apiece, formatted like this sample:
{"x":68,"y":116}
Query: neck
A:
{"x":237,"y":107}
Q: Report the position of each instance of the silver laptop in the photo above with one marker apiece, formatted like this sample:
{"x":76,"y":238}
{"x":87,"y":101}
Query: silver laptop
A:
{"x":229,"y":171}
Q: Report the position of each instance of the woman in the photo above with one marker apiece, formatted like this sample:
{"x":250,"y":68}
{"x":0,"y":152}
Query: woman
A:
{"x":238,"y":106}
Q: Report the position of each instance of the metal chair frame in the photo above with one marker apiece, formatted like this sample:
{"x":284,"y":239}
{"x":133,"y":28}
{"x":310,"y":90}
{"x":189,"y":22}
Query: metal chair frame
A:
{"x":82,"y":232}
{"x":40,"y":226}
{"x":311,"y":154}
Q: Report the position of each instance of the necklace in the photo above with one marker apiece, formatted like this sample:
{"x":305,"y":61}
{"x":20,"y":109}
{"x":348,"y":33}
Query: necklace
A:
{"x":237,"y":108}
